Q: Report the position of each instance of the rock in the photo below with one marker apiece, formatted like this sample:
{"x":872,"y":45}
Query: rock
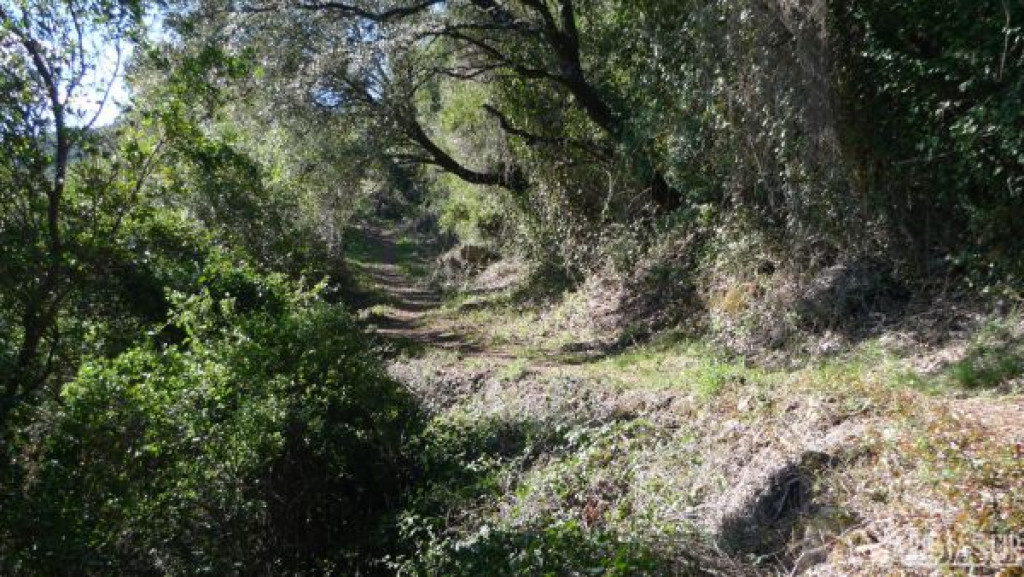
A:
{"x":745,"y":404}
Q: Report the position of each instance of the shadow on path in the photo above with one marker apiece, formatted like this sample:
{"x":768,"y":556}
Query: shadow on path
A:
{"x":405,"y":302}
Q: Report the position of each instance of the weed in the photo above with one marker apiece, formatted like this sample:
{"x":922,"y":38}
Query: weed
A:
{"x":513,"y":371}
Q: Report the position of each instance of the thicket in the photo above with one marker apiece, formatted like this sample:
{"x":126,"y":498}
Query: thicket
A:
{"x":873,"y":145}
{"x":267,"y":440}
{"x":181,"y":390}
{"x":583,"y":133}
{"x":825,"y":132}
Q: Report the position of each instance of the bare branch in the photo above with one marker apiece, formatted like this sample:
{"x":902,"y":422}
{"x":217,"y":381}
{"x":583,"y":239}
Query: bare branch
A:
{"x":106,"y":91}
{"x":346,"y":9}
{"x":532,"y":139}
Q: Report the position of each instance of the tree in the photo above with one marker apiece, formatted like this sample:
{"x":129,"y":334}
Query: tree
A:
{"x":376,"y":60}
{"x":51,"y":70}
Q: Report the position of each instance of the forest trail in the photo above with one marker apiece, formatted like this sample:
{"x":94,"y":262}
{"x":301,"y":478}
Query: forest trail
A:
{"x":403,"y":303}
{"x":679,"y":414}
{"x":412,"y":315}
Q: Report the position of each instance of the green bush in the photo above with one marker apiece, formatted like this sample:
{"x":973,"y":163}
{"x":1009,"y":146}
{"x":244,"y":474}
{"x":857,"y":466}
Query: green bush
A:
{"x":269,"y":441}
{"x":933,"y":122}
{"x":561,"y":548}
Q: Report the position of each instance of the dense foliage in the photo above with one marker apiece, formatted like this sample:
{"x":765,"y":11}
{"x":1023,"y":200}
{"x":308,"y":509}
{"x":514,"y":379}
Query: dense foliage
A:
{"x":934,"y":121}
{"x":266,"y":441}
{"x":182,"y":393}
{"x":827,"y":129}
{"x":181,"y":388}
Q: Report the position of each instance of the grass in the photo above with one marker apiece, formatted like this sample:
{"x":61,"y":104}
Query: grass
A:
{"x":989,"y":363}
{"x":598,"y":488}
{"x":377,"y":310}
{"x":572,"y":464}
{"x":672,"y":361}
{"x":687,"y":366}
{"x":360,"y":250}
{"x":993,"y":362}
{"x":514,"y":370}
{"x":411,"y":257}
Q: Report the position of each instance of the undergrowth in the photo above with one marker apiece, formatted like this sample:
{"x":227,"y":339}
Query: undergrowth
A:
{"x":612,"y":460}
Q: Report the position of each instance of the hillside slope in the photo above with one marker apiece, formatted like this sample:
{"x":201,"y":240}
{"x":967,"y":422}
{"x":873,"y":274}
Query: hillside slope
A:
{"x":674,"y":457}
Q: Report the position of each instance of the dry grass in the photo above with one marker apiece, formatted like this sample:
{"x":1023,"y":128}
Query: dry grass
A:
{"x":660,"y":444}
{"x":661,"y":436}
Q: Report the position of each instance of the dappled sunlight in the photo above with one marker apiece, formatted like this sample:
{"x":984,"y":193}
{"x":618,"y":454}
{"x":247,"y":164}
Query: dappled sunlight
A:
{"x":511,"y":287}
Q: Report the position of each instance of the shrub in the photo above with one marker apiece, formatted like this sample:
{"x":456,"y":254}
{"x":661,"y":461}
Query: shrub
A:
{"x":269,"y":441}
{"x":931,"y":92}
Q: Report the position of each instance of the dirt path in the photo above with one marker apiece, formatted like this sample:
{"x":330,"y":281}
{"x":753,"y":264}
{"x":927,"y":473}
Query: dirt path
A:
{"x":718,"y":453}
{"x":405,"y":316}
{"x":408,"y":312}
{"x":402,"y":316}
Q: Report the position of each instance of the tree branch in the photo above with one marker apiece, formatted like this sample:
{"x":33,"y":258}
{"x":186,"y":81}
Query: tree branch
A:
{"x":532,"y":139}
{"x":348,"y":9}
{"x":511,"y":179}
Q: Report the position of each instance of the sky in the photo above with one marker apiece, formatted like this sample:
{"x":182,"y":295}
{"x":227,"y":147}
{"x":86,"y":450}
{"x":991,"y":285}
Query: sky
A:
{"x":109,"y":71}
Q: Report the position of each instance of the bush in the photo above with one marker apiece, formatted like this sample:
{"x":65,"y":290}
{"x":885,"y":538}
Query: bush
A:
{"x":268,"y":442}
{"x":931,"y":92}
{"x":561,"y":548}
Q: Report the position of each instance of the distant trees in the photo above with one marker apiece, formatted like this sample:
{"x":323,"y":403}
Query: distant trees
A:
{"x":779,"y":115}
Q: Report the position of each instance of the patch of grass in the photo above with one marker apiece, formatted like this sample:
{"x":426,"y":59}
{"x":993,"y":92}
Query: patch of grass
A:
{"x":411,"y":258}
{"x":676,"y":364}
{"x":513,"y":371}
{"x":359,"y":249}
{"x":377,"y":310}
{"x":978,"y":477}
{"x":712,"y":376}
{"x":988,"y":366}
{"x":561,"y":547}
{"x":994,"y":360}
{"x":488,"y":304}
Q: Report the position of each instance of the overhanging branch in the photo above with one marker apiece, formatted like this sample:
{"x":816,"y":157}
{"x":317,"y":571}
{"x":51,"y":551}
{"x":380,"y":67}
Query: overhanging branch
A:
{"x":511,"y":178}
{"x":532,"y":139}
{"x":346,"y":9}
